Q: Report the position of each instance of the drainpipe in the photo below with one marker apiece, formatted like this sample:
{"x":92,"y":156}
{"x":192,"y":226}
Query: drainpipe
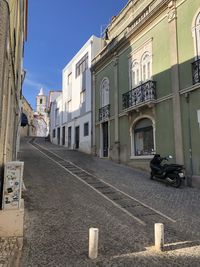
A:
{"x":189,"y":178}
{"x":116,"y":108}
{"x":93,"y":112}
{"x":6,"y":32}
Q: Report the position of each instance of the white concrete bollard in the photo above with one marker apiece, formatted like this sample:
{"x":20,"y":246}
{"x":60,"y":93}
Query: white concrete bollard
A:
{"x":93,"y":243}
{"x":159,"y":236}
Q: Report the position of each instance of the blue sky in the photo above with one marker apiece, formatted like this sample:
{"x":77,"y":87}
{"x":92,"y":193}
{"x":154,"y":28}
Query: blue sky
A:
{"x":56,"y":32}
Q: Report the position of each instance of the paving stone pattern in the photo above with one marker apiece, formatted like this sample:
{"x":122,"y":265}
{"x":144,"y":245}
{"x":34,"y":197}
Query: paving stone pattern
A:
{"x":10,"y":249}
{"x":60,"y":209}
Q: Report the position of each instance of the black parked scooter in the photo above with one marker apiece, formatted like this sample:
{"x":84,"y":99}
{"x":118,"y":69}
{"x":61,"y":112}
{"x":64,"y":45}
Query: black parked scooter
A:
{"x":172,"y":174}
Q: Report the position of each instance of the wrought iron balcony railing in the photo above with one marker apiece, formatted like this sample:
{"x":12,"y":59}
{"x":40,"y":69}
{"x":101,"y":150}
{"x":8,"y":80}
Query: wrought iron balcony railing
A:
{"x":104,"y":113}
{"x":196,"y":71}
{"x":141,"y":94}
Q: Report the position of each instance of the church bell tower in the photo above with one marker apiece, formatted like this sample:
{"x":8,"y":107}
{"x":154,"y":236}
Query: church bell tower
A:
{"x":41,"y":102}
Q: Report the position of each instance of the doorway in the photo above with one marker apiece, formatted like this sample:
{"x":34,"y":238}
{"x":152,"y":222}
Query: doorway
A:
{"x":63,"y":135}
{"x":69,"y":136}
{"x":58,"y":136}
{"x":77,"y":137}
{"x":105,"y":139}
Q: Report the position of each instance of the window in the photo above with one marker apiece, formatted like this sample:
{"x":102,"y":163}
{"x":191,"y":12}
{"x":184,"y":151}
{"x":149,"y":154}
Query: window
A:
{"x":146,"y":67}
{"x":140,"y":65}
{"x":40,"y":100}
{"x":143,"y":137}
{"x":69,"y":78}
{"x":196,"y":34}
{"x":69,"y":106}
{"x":82,"y":96}
{"x":82,"y":65}
{"x":134,"y":74}
{"x":196,"y":39}
{"x":86,"y":129}
{"x":57,"y":116}
{"x":54,"y":133}
{"x":104,"y":92}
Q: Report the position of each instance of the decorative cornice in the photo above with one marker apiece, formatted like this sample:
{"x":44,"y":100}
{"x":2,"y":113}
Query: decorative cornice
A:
{"x":115,"y":60}
{"x":190,"y":89}
{"x":128,"y":31}
{"x":172,"y":14}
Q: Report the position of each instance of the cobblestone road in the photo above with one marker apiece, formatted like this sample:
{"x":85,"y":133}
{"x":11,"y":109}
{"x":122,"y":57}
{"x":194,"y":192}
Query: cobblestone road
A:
{"x":59,"y":210}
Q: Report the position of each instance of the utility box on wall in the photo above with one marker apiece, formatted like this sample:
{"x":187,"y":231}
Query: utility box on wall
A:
{"x":12,"y":188}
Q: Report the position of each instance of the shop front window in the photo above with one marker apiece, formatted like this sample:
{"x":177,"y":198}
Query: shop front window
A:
{"x":143,"y":137}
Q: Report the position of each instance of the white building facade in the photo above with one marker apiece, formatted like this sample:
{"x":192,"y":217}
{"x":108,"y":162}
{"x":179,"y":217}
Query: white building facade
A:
{"x":71,"y":112}
{"x":56,"y":118}
{"x":41,"y":120}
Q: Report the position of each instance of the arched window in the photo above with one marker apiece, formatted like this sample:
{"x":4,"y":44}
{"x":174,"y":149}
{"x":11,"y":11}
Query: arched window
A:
{"x":143,"y":139}
{"x":146,"y":67}
{"x":104,"y":92}
{"x":196,"y":34}
{"x":134,"y":74}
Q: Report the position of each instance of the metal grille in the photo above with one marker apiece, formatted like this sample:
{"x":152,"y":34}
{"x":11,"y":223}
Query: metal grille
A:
{"x":141,"y":94}
{"x":104,"y":113}
{"x":196,"y":71}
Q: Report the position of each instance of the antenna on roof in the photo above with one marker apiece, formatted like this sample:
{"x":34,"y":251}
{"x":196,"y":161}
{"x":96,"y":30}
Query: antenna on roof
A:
{"x":103,"y":30}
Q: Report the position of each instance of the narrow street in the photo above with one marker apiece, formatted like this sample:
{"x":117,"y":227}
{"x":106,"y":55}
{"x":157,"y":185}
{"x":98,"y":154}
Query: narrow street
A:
{"x":67,"y":192}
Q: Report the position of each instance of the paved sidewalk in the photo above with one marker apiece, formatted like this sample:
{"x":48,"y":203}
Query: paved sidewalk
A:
{"x":59,"y":210}
{"x":10,"y":251}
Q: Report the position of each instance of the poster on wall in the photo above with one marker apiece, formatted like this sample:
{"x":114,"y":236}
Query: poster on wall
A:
{"x":12,"y":185}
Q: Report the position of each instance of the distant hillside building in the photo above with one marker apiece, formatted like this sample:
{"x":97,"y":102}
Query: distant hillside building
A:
{"x":41,"y":120}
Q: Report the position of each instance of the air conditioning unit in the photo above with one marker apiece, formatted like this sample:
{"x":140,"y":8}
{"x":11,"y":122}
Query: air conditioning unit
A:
{"x":12,"y":188}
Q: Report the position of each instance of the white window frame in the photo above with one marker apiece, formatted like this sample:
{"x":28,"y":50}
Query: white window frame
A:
{"x":196,"y":33}
{"x":69,"y":78}
{"x":69,"y":106}
{"x":147,"y":64}
{"x":82,"y":96}
{"x":82,"y":65}
{"x":84,"y":125}
{"x":56,"y":116}
{"x":104,"y":92}
{"x":134,"y":73}
{"x":138,"y":55}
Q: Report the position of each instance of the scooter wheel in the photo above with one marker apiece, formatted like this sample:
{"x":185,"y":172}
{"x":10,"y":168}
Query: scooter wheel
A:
{"x":177,"y":182}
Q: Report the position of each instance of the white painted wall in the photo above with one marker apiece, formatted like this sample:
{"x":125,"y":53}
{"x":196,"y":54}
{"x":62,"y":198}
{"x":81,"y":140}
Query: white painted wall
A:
{"x":80,"y":112}
{"x":85,"y":141}
{"x":57,"y":103}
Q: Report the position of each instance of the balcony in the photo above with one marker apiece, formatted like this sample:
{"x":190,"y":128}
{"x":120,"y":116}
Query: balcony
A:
{"x":141,"y":95}
{"x":104,"y":113}
{"x":196,"y":71}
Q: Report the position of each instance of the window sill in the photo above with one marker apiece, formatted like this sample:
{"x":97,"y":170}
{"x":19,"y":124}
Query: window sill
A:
{"x":142,"y":157}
